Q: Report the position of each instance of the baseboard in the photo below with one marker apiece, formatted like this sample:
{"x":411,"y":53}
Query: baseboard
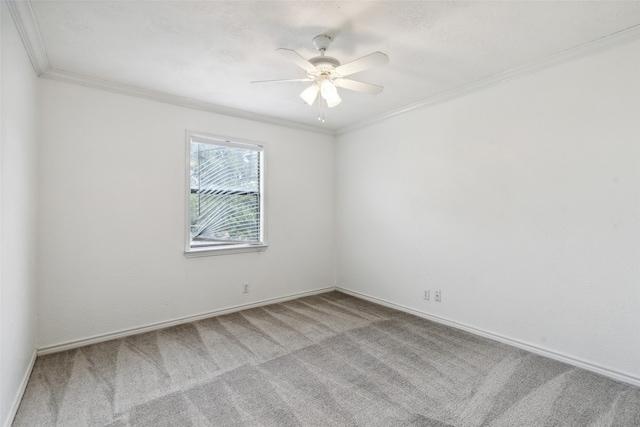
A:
{"x":618,"y":376}
{"x":23,"y":386}
{"x":166,"y":324}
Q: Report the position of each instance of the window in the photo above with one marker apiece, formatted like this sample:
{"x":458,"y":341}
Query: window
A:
{"x":225,"y":196}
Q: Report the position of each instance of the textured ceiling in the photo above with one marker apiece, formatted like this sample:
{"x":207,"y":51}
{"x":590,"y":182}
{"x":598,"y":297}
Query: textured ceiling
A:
{"x":210,"y":50}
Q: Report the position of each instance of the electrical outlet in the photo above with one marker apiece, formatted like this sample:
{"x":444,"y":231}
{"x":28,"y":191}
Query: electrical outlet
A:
{"x":245,"y":288}
{"x":426,"y":295}
{"x":437,"y":296}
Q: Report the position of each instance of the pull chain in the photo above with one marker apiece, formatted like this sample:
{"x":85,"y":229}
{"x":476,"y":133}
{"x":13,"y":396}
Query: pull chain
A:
{"x":321,"y":104}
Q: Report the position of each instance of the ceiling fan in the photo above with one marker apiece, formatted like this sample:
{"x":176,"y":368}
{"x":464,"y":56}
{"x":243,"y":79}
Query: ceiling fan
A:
{"x":327,"y":74}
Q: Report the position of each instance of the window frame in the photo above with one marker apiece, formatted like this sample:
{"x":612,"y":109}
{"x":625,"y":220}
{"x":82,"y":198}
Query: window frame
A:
{"x":223,"y":249}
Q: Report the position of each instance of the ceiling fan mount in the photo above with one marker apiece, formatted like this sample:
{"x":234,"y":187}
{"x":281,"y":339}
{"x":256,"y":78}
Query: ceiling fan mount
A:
{"x":322,"y":42}
{"x":328,"y":74}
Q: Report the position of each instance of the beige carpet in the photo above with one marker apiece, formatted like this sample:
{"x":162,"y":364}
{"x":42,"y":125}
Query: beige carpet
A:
{"x":326,"y":360}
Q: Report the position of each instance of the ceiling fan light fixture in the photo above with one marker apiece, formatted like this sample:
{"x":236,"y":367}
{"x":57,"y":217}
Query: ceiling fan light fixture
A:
{"x":310,"y":94}
{"x":333,"y":101}
{"x":330,"y":93}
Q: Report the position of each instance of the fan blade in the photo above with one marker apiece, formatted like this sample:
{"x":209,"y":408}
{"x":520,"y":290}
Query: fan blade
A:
{"x":280,"y":81}
{"x":358,"y":86}
{"x":361,"y":64}
{"x":298,"y":59}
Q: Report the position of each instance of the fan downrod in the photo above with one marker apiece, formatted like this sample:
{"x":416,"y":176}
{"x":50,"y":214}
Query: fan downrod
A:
{"x":324,"y":64}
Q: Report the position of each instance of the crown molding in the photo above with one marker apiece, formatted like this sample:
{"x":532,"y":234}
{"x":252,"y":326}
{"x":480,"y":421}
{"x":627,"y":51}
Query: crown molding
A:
{"x":27,"y":26}
{"x":24,"y":18}
{"x":82,"y":80}
{"x":612,"y":40}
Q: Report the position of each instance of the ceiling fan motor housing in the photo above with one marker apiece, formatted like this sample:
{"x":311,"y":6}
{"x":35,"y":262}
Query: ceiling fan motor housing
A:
{"x":325,"y":63}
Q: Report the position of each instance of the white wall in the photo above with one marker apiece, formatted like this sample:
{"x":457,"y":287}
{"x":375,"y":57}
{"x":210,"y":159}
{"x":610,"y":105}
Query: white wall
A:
{"x":520,"y":202}
{"x":112,"y":215}
{"x":18,"y":215}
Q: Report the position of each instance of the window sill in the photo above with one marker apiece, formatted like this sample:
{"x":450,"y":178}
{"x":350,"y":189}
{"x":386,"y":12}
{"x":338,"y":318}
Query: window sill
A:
{"x":224,"y":250}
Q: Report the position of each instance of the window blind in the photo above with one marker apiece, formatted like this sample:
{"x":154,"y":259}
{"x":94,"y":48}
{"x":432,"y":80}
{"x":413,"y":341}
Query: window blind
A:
{"x":225,"y":193}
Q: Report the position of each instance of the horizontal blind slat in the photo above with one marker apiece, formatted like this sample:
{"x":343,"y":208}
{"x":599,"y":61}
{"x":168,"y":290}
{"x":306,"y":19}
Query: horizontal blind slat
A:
{"x":225,"y":188}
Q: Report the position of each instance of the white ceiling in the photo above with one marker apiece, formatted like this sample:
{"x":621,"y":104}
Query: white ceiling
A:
{"x":210,"y":51}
